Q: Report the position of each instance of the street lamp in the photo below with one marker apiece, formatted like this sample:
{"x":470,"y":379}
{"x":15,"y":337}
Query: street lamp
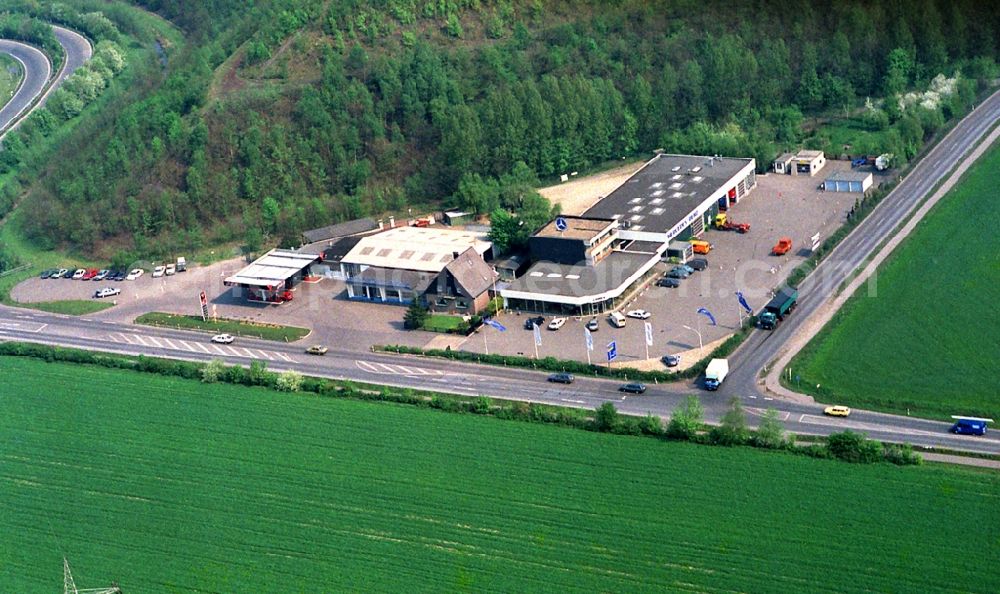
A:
{"x":700,"y":343}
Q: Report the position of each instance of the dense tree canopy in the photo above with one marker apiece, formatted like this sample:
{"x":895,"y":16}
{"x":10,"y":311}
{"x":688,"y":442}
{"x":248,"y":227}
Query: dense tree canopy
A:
{"x":280,"y":115}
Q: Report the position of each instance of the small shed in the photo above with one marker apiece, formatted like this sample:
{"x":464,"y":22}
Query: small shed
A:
{"x":511,"y":267}
{"x":783,"y":163}
{"x":457,"y":217}
{"x":682,"y":250}
{"x":848,"y":181}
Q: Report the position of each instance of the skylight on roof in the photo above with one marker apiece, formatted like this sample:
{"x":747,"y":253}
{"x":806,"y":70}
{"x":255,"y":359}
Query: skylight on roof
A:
{"x":427,"y":257}
{"x":637,"y":227}
{"x":406,"y":255}
{"x":676,"y":186}
{"x":697,"y":179}
{"x":675,"y":168}
{"x":636,"y":218}
{"x":573,"y":276}
{"x":367,"y":250}
{"x":636,"y":208}
{"x":635,"y":200}
{"x":675,"y":177}
{"x":655,"y":185}
{"x":657,"y":211}
{"x":677,"y":195}
{"x":536,"y":274}
{"x":553,"y":275}
{"x":384,"y":252}
{"x":658,"y":193}
{"x":656,"y":201}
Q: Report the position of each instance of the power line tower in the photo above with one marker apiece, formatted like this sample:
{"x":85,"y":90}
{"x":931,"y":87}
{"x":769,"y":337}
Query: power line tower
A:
{"x":69,"y":586}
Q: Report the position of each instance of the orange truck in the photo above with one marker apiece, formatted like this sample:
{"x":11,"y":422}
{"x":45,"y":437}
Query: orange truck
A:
{"x":783,"y":246}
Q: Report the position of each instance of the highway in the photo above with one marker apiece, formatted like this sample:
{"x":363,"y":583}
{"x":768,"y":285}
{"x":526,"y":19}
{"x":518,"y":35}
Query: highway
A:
{"x":455,"y":377}
{"x":38,"y":71}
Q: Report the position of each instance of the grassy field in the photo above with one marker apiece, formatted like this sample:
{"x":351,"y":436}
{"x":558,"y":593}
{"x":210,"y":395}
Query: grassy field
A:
{"x":222,"y":325}
{"x":72,"y":307}
{"x":927,"y":340}
{"x":173,"y":486}
{"x":11,"y":74}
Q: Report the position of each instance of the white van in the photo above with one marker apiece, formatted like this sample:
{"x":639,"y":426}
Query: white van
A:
{"x":617,"y":319}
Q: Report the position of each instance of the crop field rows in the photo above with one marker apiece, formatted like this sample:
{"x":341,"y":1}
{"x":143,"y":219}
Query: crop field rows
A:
{"x":936,"y":347}
{"x":170,"y":485}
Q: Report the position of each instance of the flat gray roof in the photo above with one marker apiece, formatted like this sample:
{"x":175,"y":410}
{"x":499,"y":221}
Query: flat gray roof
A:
{"x":858,"y":176}
{"x":666,"y":190}
{"x":576,"y":228}
{"x":274,"y":267}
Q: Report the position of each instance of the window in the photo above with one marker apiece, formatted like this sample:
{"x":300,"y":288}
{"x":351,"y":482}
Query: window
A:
{"x":461,"y":304}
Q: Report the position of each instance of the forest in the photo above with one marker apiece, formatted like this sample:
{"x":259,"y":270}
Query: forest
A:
{"x":282,"y":115}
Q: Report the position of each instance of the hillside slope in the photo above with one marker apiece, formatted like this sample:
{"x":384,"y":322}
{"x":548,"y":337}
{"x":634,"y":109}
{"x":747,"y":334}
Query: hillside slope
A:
{"x":294,"y":114}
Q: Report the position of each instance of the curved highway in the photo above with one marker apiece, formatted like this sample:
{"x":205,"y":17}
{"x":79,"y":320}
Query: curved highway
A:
{"x":37,"y":71}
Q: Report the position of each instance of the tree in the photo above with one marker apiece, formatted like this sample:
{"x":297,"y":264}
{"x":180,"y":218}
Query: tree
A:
{"x":733,"y":430}
{"x":213,"y":371}
{"x":259,"y":375}
{"x":503,"y":230}
{"x":289,"y":381}
{"x":606,"y":417}
{"x":897,"y":76}
{"x":686,"y":420}
{"x":416,"y":315}
{"x":770,"y":433}
{"x":853,"y":447}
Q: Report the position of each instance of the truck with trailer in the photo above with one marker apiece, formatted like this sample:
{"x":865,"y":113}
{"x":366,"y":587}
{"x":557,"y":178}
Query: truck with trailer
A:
{"x":783,"y":302}
{"x":716,"y":373}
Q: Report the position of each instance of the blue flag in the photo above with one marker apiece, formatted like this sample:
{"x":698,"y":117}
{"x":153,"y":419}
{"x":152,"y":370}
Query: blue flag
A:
{"x":495,"y":324}
{"x":708,"y":314}
{"x":743,"y":302}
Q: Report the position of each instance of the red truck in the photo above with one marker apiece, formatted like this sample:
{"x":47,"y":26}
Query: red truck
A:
{"x":783,"y":246}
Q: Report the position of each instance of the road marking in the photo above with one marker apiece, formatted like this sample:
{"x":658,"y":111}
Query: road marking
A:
{"x":386,"y":369}
{"x":265,"y":355}
{"x":285,"y":357}
{"x":186,"y":345}
{"x":221,"y":352}
{"x":808,"y":419}
{"x":782,"y":415}
{"x":21,"y":327}
{"x":234,"y":351}
{"x":169,"y":343}
{"x":573,"y":401}
{"x":202,"y":347}
{"x":154,"y":341}
{"x":139,"y":340}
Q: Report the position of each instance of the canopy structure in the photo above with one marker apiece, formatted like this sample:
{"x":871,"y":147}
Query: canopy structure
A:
{"x":273,"y":273}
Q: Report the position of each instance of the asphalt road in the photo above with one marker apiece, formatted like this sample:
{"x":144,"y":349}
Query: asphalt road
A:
{"x":762,"y":348}
{"x":38,"y":70}
{"x":454,"y":377}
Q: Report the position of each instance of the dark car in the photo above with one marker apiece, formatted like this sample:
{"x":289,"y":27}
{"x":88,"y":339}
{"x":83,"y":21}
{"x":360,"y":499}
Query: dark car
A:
{"x":561,"y":378}
{"x":670,"y":283}
{"x":671,"y":360}
{"x":118,"y":275}
{"x":698,"y":264}
{"x":535,"y":321}
{"x":47,"y":273}
{"x":632,"y":388}
{"x":678,"y":272}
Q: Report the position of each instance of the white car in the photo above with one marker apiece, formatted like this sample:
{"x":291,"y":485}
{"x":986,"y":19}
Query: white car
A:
{"x":158,"y":271}
{"x":107,"y":292}
{"x":170,"y":271}
{"x":79,"y":273}
{"x":223,"y":338}
{"x":639,"y":314}
{"x":134,"y":274}
{"x":557,"y":323}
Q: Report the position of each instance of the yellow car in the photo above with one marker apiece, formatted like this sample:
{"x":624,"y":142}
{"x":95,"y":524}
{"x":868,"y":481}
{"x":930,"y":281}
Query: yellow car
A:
{"x":317,"y":349}
{"x":837,"y":411}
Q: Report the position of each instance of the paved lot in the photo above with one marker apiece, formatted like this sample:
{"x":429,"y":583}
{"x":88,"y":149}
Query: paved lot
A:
{"x":781,"y":205}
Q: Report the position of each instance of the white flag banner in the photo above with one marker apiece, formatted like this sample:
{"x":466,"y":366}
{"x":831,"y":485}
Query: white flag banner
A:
{"x":649,"y":334}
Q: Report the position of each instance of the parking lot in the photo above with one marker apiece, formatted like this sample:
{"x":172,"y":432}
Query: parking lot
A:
{"x":780,"y":205}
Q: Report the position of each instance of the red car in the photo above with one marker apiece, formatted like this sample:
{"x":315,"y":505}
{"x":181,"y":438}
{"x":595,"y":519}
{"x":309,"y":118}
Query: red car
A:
{"x":782,"y":247}
{"x":90,"y":274}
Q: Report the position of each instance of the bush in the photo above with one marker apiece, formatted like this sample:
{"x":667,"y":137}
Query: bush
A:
{"x":289,"y":381}
{"x":770,"y":433}
{"x":213,"y":371}
{"x":686,"y":420}
{"x":480,"y":406}
{"x":651,"y":425}
{"x":606,"y":417}
{"x":902,"y":455}
{"x":854,"y":447}
{"x":733,"y":430}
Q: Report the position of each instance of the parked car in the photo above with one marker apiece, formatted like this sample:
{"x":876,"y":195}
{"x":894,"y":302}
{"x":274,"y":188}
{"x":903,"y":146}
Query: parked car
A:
{"x":79,"y":273}
{"x":530,"y":323}
{"x":561,"y":378}
{"x":698,"y":263}
{"x":639,"y":314}
{"x":317,"y":349}
{"x":171,"y":270}
{"x":223,"y":338}
{"x":62,"y":273}
{"x":593,"y":325}
{"x":119,"y":275}
{"x":688,"y":269}
{"x":158,"y":271}
{"x":670,"y":283}
{"x":90,"y":274}
{"x":678,"y":272}
{"x":134,"y":274}
{"x":671,"y":360}
{"x":783,"y":246}
{"x":557,"y":323}
{"x":632,"y":388}
{"x":106,"y":292}
{"x":837,"y":411}
{"x":102,"y":275}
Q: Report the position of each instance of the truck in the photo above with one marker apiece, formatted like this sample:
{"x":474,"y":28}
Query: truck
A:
{"x":722,"y":223}
{"x":783,"y":246}
{"x":715,"y":373}
{"x":782,"y":303}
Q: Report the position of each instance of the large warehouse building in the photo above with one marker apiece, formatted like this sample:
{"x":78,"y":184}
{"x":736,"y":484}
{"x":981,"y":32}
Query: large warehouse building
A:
{"x":586,"y":265}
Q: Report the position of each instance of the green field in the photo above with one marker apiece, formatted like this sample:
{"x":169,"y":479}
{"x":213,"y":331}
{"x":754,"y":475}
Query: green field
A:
{"x":927,"y":340}
{"x":72,"y":307}
{"x":169,"y":485}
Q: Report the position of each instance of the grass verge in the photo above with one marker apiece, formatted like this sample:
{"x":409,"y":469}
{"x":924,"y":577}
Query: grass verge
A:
{"x":11,"y":75}
{"x":72,"y":307}
{"x":223,"y":325}
{"x":308,"y":493}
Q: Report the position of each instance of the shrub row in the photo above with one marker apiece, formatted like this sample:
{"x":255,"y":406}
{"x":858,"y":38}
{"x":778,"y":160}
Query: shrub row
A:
{"x":686,"y":423}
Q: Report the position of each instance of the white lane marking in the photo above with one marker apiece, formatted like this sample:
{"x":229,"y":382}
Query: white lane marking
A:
{"x":154,"y":341}
{"x":385,"y":369}
{"x":285,"y":357}
{"x":265,"y":355}
{"x":138,"y":340}
{"x":573,"y":401}
{"x":840,"y":422}
{"x":782,"y":415}
{"x":187,"y":345}
{"x":235,"y":352}
{"x":221,"y":352}
{"x":169,"y":343}
{"x":202,"y":347}
{"x":249,"y":353}
{"x":23,"y":326}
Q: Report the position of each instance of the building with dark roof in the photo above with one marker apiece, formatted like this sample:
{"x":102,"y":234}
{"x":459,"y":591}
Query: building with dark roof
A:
{"x":345,"y":229}
{"x":463,"y":287}
{"x":676,"y":196}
